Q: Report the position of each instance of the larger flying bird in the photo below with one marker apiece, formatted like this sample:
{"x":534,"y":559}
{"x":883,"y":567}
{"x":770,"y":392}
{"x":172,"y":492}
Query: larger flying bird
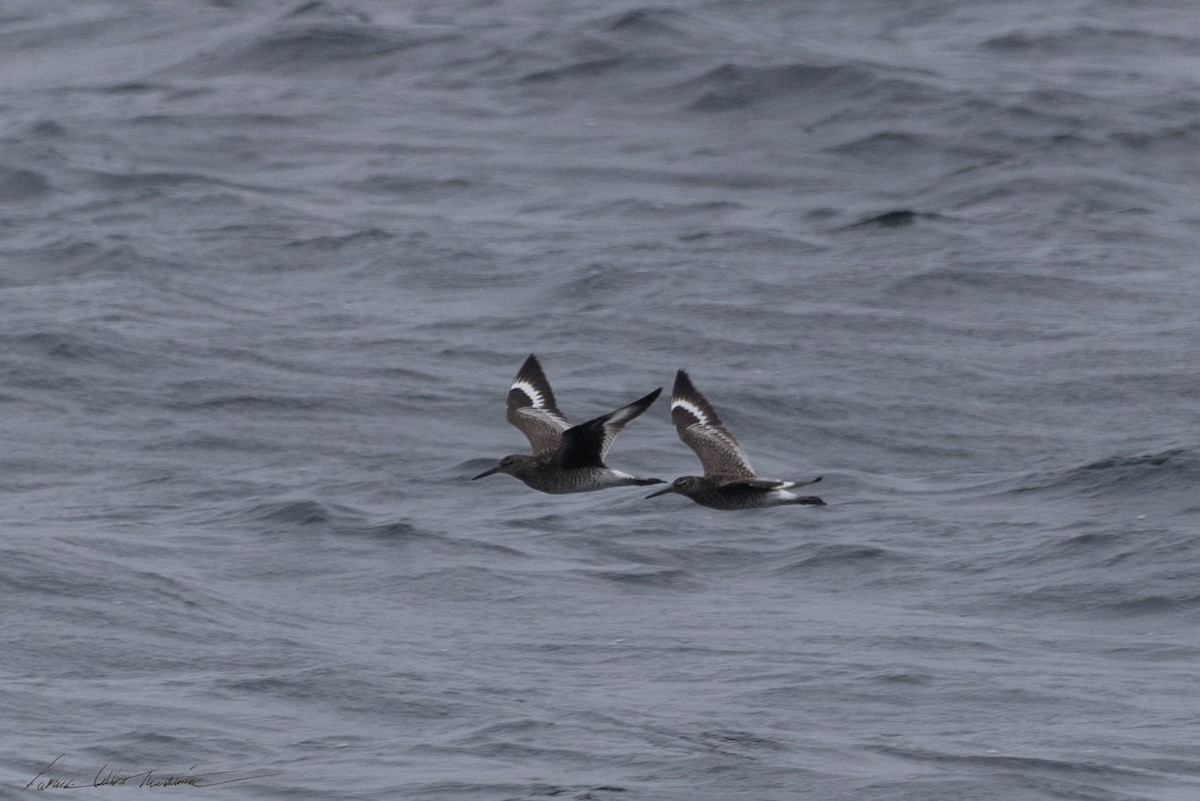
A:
{"x":565,"y":458}
{"x":728,"y":481}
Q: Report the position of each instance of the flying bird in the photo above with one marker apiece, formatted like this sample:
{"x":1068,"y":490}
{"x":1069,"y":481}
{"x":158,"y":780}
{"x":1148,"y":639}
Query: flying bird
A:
{"x":728,"y":481}
{"x":565,"y":458}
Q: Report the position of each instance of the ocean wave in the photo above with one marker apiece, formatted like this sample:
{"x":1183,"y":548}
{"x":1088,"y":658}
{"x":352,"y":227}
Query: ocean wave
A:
{"x":1170,"y":469}
{"x":647,"y":22}
{"x":1088,"y":38}
{"x":648,"y":578}
{"x":578,"y":70}
{"x":824,"y":557}
{"x":21,"y":185}
{"x":66,"y":345}
{"x":734,"y":86}
{"x":300,"y":513}
{"x":143,"y":185}
{"x":1022,"y":765}
{"x":317,"y":39}
{"x":971,"y":284}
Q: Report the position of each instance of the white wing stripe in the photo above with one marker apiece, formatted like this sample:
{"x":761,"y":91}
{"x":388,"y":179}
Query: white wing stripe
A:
{"x":691,"y":408}
{"x":532,"y":393}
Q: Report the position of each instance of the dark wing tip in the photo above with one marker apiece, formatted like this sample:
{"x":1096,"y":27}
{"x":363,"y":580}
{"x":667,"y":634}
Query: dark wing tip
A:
{"x":530,"y":367}
{"x":627,"y":412}
{"x":640,"y":405}
{"x":532,"y":374}
{"x":684,"y":390}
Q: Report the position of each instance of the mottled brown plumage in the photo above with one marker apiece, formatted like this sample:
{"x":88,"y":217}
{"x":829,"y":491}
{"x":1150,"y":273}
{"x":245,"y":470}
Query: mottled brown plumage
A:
{"x":565,"y":458}
{"x":728,"y":481}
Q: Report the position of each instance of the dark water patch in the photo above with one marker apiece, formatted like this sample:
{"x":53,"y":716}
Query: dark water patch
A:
{"x":742,"y":551}
{"x":1152,"y":650}
{"x":1019,"y":765}
{"x":1089,"y":39}
{"x":59,"y":345}
{"x":293,"y":516}
{"x":232,"y":139}
{"x":147,"y":740}
{"x":897,"y":218}
{"x":1167,"y":139}
{"x":319,"y":9}
{"x":470,"y":583}
{"x":150,"y":182}
{"x":1121,"y":475}
{"x":85,"y":575}
{"x":648,"y":578}
{"x":732,"y":86}
{"x":891,"y":149}
{"x":1051,"y":197}
{"x":405,"y":534}
{"x":417,"y":186}
{"x":640,"y":209}
{"x":506,"y":791}
{"x":541,"y":522}
{"x":591,"y":793}
{"x":646,"y":22}
{"x":46,"y":129}
{"x":396,"y":531}
{"x":825,"y":557}
{"x":1101,"y":593}
{"x":523,"y":729}
{"x":370,"y":238}
{"x":326,"y":683}
{"x":816,"y":91}
{"x":900,"y":678}
{"x":91,"y":367}
{"x":328,"y":43}
{"x":716,"y":741}
{"x":131,"y":88}
{"x":288,"y":514}
{"x":249,"y":402}
{"x":22,"y":185}
{"x":321,"y":47}
{"x":1155,"y":605}
{"x":1108,"y":564}
{"x":1090,"y":541}
{"x":575,"y":72}
{"x":248,"y":448}
{"x":720,"y":238}
{"x":59,"y":255}
{"x":996,"y":282}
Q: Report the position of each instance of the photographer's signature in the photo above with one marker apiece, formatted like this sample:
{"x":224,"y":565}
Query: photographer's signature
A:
{"x":51,"y":778}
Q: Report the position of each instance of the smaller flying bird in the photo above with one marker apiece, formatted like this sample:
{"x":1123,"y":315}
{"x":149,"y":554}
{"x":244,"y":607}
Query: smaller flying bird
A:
{"x":728,"y":481}
{"x":565,"y":458}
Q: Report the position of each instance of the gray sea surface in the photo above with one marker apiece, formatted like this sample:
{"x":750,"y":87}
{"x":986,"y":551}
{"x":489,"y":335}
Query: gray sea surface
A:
{"x":268,"y":268}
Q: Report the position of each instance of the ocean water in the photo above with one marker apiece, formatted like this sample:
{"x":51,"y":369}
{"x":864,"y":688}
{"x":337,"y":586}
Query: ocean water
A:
{"x":266,"y":270}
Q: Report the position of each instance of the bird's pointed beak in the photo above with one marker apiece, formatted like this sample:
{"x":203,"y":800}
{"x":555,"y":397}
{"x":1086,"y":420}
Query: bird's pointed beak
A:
{"x":661,"y":492}
{"x":495,"y":469}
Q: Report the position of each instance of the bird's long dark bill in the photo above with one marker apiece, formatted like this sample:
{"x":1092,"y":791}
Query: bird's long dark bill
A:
{"x":495,"y":469}
{"x":661,"y":492}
